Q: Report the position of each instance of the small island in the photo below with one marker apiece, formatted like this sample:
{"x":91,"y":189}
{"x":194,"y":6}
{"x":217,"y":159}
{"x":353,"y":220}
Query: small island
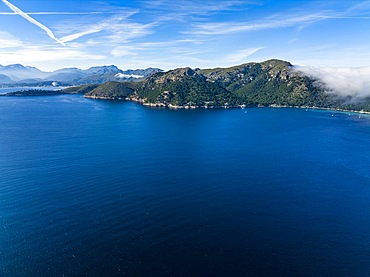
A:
{"x":34,"y":92}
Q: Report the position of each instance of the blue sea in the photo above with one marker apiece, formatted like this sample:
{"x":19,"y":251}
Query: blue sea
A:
{"x":105,"y":188}
{"x":4,"y":90}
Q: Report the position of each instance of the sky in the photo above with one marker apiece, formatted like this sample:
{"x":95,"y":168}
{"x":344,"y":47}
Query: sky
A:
{"x":166,"y":34}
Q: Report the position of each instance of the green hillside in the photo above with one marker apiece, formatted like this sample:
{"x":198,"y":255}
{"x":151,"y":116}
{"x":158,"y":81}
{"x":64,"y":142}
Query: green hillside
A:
{"x":269,"y":83}
{"x":80,"y":89}
{"x":273,"y":82}
{"x":112,"y":90}
{"x":182,"y":87}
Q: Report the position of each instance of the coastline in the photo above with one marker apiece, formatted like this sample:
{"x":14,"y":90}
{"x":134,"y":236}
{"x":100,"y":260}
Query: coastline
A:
{"x":103,"y":97}
{"x":242,"y":106}
{"x":175,"y":107}
{"x":321,"y":108}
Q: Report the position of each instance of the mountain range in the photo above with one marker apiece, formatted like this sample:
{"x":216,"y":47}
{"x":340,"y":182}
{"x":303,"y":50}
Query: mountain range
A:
{"x":269,"y":83}
{"x":17,"y":74}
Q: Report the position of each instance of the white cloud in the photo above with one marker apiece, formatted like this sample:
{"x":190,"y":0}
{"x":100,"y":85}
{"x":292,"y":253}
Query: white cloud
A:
{"x":80,"y":34}
{"x":224,"y":28}
{"x":9,"y":41}
{"x":341,"y":80}
{"x":362,"y":6}
{"x":113,"y":30}
{"x":170,"y":43}
{"x":32,"y":20}
{"x":124,"y":31}
{"x":121,"y":76}
{"x":121,"y":51}
{"x":169,"y":50}
{"x":58,"y":13}
{"x":241,"y":55}
{"x":195,"y":7}
{"x":32,"y":55}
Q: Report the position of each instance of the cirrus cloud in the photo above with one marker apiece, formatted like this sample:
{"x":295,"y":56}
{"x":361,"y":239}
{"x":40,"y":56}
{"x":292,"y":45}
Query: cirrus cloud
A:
{"x":9,"y":41}
{"x":18,"y":11}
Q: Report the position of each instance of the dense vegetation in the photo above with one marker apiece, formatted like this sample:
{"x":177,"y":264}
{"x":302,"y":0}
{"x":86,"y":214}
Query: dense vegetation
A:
{"x":112,"y":90}
{"x":34,"y":92}
{"x":80,"y":89}
{"x":269,"y":83}
{"x":182,"y":87}
{"x":273,"y":82}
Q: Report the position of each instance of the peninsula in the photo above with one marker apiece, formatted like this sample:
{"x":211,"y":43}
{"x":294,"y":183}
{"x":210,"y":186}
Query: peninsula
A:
{"x":271,"y":83}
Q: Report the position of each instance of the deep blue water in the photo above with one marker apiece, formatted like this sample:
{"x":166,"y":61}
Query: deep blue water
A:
{"x":4,"y":90}
{"x":101,"y":188}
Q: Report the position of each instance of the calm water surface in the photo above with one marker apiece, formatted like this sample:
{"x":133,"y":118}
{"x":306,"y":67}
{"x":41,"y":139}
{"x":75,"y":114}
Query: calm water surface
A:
{"x":4,"y":90}
{"x":100,"y":188}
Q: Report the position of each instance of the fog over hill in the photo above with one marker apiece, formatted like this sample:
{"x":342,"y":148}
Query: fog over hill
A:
{"x":269,"y":83}
{"x":345,"y":81}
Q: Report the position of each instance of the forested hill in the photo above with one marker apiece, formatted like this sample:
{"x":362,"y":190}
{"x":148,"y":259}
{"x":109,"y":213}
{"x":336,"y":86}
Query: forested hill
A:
{"x":269,"y":83}
{"x":273,"y":82}
{"x":112,"y":90}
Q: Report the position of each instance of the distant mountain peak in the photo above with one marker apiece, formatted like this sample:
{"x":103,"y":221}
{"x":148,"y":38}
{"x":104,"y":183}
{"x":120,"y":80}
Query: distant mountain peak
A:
{"x":16,"y":66}
{"x":5,"y":79}
{"x":104,"y":69}
{"x":28,"y":75}
{"x":185,"y":71}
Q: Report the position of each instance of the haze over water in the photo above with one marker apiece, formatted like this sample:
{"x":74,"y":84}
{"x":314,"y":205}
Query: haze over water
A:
{"x":101,"y":188}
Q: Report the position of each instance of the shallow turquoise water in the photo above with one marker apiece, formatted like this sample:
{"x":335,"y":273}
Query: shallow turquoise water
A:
{"x":108,"y":188}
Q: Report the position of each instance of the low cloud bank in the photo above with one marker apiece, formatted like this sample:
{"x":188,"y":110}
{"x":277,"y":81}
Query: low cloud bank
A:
{"x":343,"y":81}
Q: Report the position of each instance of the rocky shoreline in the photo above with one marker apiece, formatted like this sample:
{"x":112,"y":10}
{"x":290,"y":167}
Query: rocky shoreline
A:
{"x":103,"y":97}
{"x":189,"y":107}
{"x":176,"y":107}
